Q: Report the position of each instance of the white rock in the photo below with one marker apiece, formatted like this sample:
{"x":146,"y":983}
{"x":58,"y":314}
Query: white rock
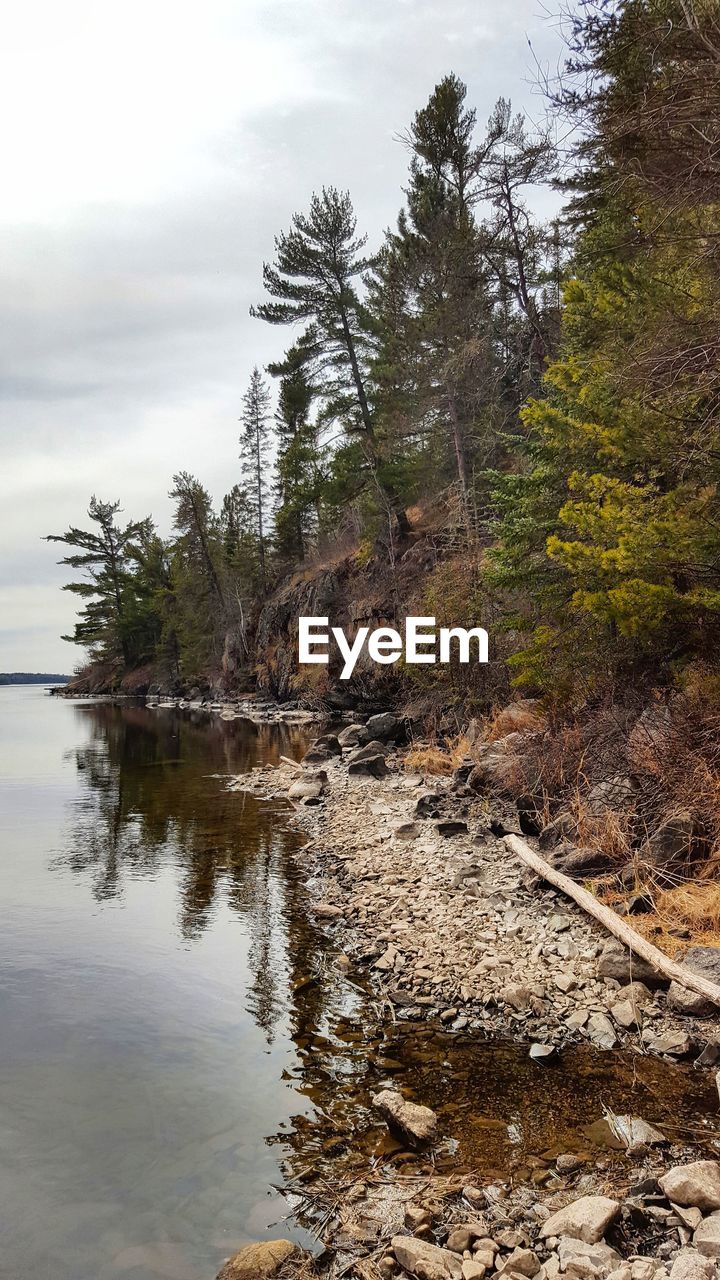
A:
{"x":585,"y":1219}
{"x":696,"y":1184}
{"x":690,"y":1265}
{"x":432,"y":1260}
{"x":707,"y":1236}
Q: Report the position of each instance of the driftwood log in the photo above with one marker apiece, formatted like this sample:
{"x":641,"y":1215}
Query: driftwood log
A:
{"x":614,"y":923}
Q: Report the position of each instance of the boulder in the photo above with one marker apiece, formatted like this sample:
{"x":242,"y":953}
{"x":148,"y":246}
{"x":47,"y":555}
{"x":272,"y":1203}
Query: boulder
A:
{"x":494,"y":763}
{"x":369,"y":767}
{"x":674,"y":1044}
{"x":707,"y":1236}
{"x":690,"y":1265}
{"x":579,"y":863}
{"x":417,"y":1124}
{"x":670,"y":843}
{"x":355,"y":735}
{"x":370,"y":749}
{"x":585,"y":1219}
{"x":617,"y":962}
{"x":258,"y":1261}
{"x":702,"y":960}
{"x":329,"y":742}
{"x":561,"y":830}
{"x":697,"y":1183}
{"x":385,"y":726}
{"x":426,"y":1261}
{"x":617,"y":792}
{"x":521,"y":1262}
{"x":307,"y":789}
{"x":451,"y":828}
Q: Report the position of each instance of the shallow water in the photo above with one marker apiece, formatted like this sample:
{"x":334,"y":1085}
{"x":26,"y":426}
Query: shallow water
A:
{"x":175,"y":1036}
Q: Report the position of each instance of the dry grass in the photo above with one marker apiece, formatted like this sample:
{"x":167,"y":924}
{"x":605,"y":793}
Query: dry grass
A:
{"x":692,"y":906}
{"x":515,"y":718}
{"x":439,"y":760}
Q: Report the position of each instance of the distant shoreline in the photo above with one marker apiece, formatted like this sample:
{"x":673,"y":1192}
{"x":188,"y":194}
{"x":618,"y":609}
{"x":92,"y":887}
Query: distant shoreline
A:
{"x":32,"y":677}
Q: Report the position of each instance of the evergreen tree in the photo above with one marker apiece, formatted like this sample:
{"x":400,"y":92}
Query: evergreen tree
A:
{"x":254,"y":454}
{"x":201,"y":605}
{"x":106,"y":624}
{"x":319,"y":264}
{"x":299,"y":482}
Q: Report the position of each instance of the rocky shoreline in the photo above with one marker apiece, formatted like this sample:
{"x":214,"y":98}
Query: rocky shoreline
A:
{"x":411,"y":879}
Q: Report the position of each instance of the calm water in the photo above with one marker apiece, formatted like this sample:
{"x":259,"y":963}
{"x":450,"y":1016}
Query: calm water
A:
{"x":175,"y":1036}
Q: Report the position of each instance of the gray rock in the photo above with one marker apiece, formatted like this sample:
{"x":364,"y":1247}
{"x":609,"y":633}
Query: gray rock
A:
{"x":635,"y":1132}
{"x":600,"y":1030}
{"x":670,"y":843}
{"x":450,"y":828}
{"x":369,"y":767}
{"x":618,"y":963}
{"x":416,"y":1123}
{"x":704,"y":961}
{"x":355,"y":735}
{"x":707,"y":1236}
{"x":675,"y":1044}
{"x":429,"y":1261}
{"x":428,"y":804}
{"x":697,"y":1183}
{"x":690,"y":1265}
{"x":613,"y":793}
{"x":521,"y":1262}
{"x":308,"y":788}
{"x":495,"y":761}
{"x":407,"y":831}
{"x":585,"y":1219}
{"x":384,"y":726}
{"x":561,"y":830}
{"x":464,"y":1235}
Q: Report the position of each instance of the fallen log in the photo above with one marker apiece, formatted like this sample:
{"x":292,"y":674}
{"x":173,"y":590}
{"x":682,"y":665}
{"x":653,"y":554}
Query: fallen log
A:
{"x":620,"y":929}
{"x":295,"y":763}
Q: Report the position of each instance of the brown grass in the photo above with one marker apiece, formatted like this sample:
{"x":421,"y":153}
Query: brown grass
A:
{"x":440,"y":760}
{"x":513,"y":719}
{"x":693,"y":906}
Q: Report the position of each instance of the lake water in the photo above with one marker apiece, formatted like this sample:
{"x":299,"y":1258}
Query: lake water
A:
{"x":175,"y":1036}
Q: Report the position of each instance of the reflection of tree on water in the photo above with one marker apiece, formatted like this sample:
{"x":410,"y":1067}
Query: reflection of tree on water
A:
{"x":149,"y":804}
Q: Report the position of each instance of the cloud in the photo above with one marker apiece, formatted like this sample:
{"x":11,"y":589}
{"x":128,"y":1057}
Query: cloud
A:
{"x":156,"y":150}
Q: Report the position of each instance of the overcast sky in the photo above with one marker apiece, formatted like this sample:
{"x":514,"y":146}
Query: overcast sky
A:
{"x":151,"y":150}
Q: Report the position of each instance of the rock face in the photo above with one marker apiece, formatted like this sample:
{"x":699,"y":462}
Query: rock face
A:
{"x":416,"y":1123}
{"x":258,"y":1261}
{"x":696,"y":1184}
{"x":585,"y":1219}
{"x":426,"y":1261}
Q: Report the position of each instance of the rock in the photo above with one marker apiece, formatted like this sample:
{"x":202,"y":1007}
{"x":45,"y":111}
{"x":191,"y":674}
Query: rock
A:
{"x":585,"y":1219}
{"x":426,"y":1261}
{"x":562,"y":830}
{"x":451,"y":828}
{"x":258,"y":1261}
{"x":689,"y":1265}
{"x":600,"y":1031}
{"x":417,"y":1217}
{"x":568,"y":1163}
{"x":464,"y":1235}
{"x":521,"y":1262}
{"x":697,"y":1183}
{"x":428,"y":804}
{"x":670,"y":843}
{"x":327,"y":911}
{"x":704,"y":961}
{"x":329,"y":742}
{"x":614,"y":793}
{"x":372,"y":767}
{"x":316,"y":755}
{"x":495,"y":762}
{"x":635,"y":1132}
{"x":365,"y":753}
{"x":676,"y":1044}
{"x":579,"y":863}
{"x":385,"y":726}
{"x":618,"y":963}
{"x":473,"y":1269}
{"x":355,"y":735}
{"x":625,"y":1013}
{"x":416,"y":1123}
{"x":690,"y":1216}
{"x":310,"y":788}
{"x":407,"y":831}
{"x":541,"y":1052}
{"x":707,"y":1236}
{"x":598,"y":1256}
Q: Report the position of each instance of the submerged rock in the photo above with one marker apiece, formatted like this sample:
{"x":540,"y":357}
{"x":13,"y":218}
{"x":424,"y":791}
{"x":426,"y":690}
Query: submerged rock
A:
{"x":416,"y":1123}
{"x":259,"y":1261}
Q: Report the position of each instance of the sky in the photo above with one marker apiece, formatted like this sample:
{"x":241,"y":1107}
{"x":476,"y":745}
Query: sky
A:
{"x":150,"y":152}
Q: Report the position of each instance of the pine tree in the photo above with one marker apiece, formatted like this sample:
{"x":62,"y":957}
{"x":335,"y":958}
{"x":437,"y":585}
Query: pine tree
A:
{"x":254,"y":454}
{"x":106,"y":623}
{"x":319,"y":265}
{"x":299,"y":483}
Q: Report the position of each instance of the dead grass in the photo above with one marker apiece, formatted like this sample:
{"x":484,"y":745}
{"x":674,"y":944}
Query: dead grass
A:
{"x":437,"y":759}
{"x":515,"y":718}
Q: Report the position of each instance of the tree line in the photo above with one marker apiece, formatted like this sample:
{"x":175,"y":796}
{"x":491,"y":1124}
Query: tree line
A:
{"x":554,"y":382}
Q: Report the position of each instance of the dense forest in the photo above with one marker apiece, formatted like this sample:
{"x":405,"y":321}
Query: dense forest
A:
{"x":539,"y":401}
